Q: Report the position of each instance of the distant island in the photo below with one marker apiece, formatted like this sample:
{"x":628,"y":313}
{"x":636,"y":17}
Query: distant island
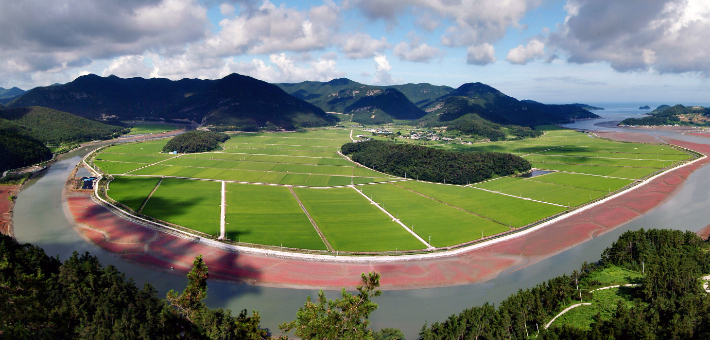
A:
{"x":587,"y":107}
{"x":645,"y":107}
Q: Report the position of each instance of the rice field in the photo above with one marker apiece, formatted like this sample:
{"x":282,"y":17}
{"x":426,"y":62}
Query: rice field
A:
{"x":256,"y":221}
{"x":189,"y":195}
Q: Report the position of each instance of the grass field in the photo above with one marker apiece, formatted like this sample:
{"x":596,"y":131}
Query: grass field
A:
{"x":251,"y":217}
{"x":131,"y":191}
{"x":141,"y":129}
{"x":446,"y":225}
{"x":586,"y":169}
{"x":191,"y":204}
{"x":506,"y":210}
{"x":351,"y":223}
{"x":546,"y":192}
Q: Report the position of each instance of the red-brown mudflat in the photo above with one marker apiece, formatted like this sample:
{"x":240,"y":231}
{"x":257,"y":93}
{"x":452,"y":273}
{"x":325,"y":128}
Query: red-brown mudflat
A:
{"x":6,"y":204}
{"x":162,"y":251}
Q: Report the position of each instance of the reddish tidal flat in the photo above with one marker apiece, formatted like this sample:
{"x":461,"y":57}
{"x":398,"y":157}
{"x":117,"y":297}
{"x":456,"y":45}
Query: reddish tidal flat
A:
{"x":6,"y":205}
{"x":158,"y":250}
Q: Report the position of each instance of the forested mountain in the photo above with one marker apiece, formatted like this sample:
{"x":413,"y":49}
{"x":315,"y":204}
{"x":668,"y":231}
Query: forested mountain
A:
{"x":492,"y":105}
{"x":8,"y":95}
{"x":671,"y":115}
{"x":337,"y":94}
{"x":248,"y":104}
{"x":18,"y":151}
{"x":434,"y":165}
{"x":195,"y":141}
{"x":55,"y":127}
{"x":235,"y":100}
{"x":383,"y":106}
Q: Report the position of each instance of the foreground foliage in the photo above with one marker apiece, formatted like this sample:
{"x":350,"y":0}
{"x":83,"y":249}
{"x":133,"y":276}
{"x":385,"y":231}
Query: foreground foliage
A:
{"x":40,"y":297}
{"x":434,"y":165}
{"x":670,"y":305}
{"x":195,"y":141}
{"x":344,"y":318}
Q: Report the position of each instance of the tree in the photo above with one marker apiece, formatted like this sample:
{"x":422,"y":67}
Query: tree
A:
{"x":189,"y":303}
{"x":344,"y":318}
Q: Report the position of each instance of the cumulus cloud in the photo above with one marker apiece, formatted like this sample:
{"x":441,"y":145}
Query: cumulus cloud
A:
{"x":361,"y":45}
{"x":128,"y":67}
{"x":474,"y":21}
{"x":483,"y":54}
{"x":416,"y":51}
{"x":668,"y":36}
{"x":382,"y":68}
{"x":521,"y":55}
{"x":56,"y":35}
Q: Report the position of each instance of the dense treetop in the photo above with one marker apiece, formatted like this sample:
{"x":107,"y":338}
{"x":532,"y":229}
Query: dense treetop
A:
{"x":671,"y":115}
{"x":195,"y":141}
{"x":670,"y":304}
{"x":56,"y":127}
{"x":42,"y":298}
{"x":434,"y":165}
{"x":18,"y":151}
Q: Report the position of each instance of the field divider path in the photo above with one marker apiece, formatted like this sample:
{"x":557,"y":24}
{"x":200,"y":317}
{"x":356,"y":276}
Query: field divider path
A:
{"x":222,"y":214}
{"x":597,"y":157}
{"x":351,"y":136}
{"x":518,"y":197}
{"x":606,"y":165}
{"x":320,"y":233}
{"x":409,"y":230}
{"x":582,"y":173}
{"x":451,"y":205}
{"x":538,"y":153}
{"x":150,"y":195}
{"x":143,"y":167}
{"x":565,"y":311}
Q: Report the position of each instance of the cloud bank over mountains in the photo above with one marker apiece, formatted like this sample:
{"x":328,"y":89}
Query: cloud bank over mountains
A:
{"x":47,"y":42}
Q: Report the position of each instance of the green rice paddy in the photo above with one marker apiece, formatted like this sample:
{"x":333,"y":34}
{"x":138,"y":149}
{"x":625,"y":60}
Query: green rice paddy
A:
{"x":585,"y":168}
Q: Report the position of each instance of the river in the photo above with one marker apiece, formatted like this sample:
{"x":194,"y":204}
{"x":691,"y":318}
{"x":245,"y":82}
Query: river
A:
{"x":39,"y":219}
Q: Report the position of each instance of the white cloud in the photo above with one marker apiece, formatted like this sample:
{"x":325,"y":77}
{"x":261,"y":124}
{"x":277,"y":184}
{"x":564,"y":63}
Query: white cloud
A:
{"x":128,"y":66}
{"x":521,"y":55}
{"x":382,"y":68}
{"x":42,"y":36}
{"x":414,"y":51}
{"x":483,"y":54}
{"x":668,"y":36}
{"x":361,"y":45}
{"x":226,"y":9}
{"x":474,"y":22}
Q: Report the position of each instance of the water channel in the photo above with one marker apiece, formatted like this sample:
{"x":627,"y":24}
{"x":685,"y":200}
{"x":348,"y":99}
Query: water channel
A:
{"x":39,"y":219}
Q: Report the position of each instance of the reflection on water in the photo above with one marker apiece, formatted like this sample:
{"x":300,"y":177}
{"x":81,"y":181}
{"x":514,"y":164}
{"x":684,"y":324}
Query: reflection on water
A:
{"x":39,"y":220}
{"x":536,"y":173}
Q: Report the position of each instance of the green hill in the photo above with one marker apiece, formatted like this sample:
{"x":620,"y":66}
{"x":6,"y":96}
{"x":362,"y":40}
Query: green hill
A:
{"x":8,"y":95}
{"x":389,"y":102}
{"x":235,"y":100}
{"x":672,"y":115}
{"x":247,"y":103}
{"x":18,"y":150}
{"x":492,"y":105}
{"x":55,"y":127}
{"x":337,"y":94}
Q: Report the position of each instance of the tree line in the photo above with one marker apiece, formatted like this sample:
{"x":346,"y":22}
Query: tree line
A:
{"x":434,"y":165}
{"x":669,"y":305}
{"x":195,"y":141}
{"x":18,"y":151}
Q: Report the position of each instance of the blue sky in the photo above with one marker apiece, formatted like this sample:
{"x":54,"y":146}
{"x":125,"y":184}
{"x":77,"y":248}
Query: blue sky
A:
{"x":554,"y":51}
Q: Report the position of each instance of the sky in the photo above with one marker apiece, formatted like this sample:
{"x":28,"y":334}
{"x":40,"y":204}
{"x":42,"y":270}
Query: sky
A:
{"x":553,"y":51}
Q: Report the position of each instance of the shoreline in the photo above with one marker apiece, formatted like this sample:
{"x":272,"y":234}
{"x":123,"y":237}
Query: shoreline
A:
{"x":157,"y":250}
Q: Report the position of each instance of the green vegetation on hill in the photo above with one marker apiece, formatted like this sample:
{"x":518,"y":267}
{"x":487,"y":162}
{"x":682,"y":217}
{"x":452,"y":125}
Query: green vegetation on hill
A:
{"x":669,"y":304}
{"x":195,"y":141}
{"x":18,"y":151}
{"x":586,"y":107}
{"x":434,"y":165}
{"x":472,"y":124}
{"x":492,"y":105}
{"x":237,"y":101}
{"x":388,"y":101}
{"x":56,"y":127}
{"x":8,"y":95}
{"x":43,"y":298}
{"x":667,"y":115}
{"x":422,"y":94}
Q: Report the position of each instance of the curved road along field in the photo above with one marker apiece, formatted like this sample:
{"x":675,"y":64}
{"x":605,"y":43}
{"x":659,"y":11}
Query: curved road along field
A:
{"x":142,"y":245}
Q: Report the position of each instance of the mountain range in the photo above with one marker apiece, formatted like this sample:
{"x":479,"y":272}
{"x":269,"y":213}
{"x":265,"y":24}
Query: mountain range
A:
{"x":8,"y":95}
{"x":244,"y":103}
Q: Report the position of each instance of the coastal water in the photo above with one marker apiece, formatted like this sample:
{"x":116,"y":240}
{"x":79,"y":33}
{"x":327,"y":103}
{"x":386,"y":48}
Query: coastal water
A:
{"x":39,"y":219}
